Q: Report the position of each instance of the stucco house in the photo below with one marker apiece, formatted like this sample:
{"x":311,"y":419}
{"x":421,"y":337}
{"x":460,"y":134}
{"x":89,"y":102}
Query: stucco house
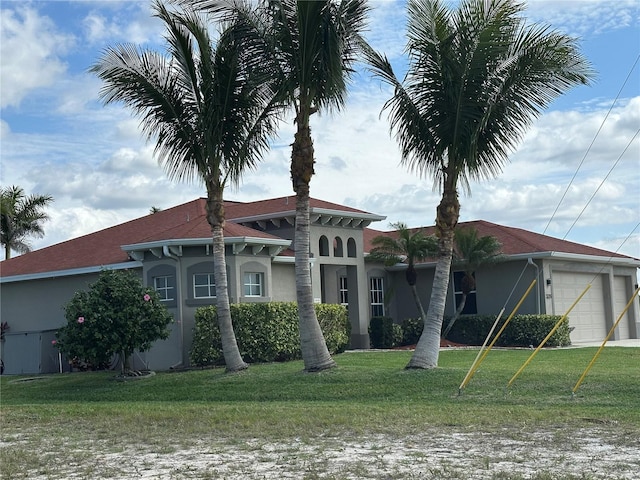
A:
{"x":171,"y":251}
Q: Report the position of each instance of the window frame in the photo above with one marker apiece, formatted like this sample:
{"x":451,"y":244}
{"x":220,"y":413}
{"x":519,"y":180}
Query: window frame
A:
{"x":376,"y":296}
{"x":210,"y":285}
{"x":259,"y":276}
{"x":167,"y":288}
{"x":343,"y":290}
{"x":471,"y":304}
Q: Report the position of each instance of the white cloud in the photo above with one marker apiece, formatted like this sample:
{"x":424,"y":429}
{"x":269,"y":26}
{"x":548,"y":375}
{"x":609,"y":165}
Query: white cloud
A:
{"x":5,"y":130}
{"x":132,"y":22}
{"x":100,"y":171}
{"x":582,"y":17}
{"x":31,"y":48}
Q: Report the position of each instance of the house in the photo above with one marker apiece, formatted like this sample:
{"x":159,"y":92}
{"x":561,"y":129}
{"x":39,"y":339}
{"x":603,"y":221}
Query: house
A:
{"x":171,"y":251}
{"x":563,"y":271}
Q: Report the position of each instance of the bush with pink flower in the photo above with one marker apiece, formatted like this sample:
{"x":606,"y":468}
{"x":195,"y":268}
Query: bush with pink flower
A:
{"x":115,"y":316}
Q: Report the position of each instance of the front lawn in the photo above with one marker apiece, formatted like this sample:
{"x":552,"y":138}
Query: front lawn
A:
{"x":368,"y":394}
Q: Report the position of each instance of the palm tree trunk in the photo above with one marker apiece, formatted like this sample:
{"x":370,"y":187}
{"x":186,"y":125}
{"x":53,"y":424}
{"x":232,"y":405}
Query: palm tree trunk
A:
{"x":428,"y":348}
{"x":423,"y":315}
{"x":456,"y":315}
{"x":232,"y":358}
{"x":7,"y":252}
{"x":315,"y":353}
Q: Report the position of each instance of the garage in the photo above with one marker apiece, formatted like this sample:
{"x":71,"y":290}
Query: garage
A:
{"x":588,"y":317}
{"x":620,"y":299}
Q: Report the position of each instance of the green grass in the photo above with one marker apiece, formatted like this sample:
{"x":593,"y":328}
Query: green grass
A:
{"x":368,"y":394}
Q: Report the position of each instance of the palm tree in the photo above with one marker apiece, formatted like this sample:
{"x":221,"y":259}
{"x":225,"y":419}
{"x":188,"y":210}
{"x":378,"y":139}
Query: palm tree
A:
{"x":21,"y":216}
{"x":470,"y":253}
{"x":211,"y":113}
{"x":407,"y":247}
{"x":311,"y":47}
{"x":477,"y":78}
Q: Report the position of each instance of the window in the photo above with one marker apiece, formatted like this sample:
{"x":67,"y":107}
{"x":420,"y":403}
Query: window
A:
{"x":164,"y":286}
{"x":343,"y":291}
{"x":323,"y":245}
{"x":204,"y":285}
{"x":253,"y":284}
{"x":376,"y":292}
{"x":470,"y":306}
{"x":351,"y":248}
{"x":337,"y":247}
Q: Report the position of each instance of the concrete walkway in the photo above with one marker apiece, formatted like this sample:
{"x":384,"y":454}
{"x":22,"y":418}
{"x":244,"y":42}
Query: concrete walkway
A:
{"x":634,"y":342}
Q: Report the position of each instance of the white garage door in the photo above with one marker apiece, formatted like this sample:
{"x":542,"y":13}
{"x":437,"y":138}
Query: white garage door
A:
{"x":620,"y":300}
{"x":588,"y":317}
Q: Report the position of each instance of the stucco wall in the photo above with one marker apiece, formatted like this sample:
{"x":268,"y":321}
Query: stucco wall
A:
{"x":37,"y":305}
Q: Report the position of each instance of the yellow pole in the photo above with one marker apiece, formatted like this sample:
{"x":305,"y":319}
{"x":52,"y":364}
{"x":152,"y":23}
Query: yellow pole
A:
{"x":484,"y":344}
{"x":476,"y":363}
{"x":553,"y":330}
{"x":615,"y":325}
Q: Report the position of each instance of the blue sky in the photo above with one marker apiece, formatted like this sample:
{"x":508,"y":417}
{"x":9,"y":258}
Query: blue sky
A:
{"x":57,"y":138}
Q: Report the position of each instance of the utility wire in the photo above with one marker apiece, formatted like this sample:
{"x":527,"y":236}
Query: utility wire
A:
{"x":591,"y":145}
{"x":602,"y":183}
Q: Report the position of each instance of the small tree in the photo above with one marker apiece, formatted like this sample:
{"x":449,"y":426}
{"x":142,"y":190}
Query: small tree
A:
{"x":471,"y":252}
{"x":117,"y":315}
{"x":408,"y":247}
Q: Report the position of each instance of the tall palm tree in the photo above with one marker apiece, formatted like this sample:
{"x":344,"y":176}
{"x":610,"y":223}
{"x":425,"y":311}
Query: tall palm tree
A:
{"x":21,"y":216}
{"x":407,"y":247}
{"x":311,"y":47}
{"x":211,"y":112}
{"x":470,"y":252}
{"x":477,"y":77}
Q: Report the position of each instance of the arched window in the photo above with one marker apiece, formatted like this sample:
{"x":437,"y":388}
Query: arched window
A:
{"x":351,"y":248}
{"x":324,"y":246}
{"x":337,"y":247}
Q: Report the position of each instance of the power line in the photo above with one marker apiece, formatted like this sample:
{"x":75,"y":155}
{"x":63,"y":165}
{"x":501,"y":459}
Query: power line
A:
{"x":591,"y":145}
{"x":601,"y":183}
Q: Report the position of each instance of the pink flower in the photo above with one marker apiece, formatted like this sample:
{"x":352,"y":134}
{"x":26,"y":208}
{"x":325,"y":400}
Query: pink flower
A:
{"x":80,"y":319}
{"x":147,"y":297}
{"x":53,"y":342}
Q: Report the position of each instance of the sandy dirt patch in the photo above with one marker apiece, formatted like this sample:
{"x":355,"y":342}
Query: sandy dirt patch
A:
{"x":560,"y":453}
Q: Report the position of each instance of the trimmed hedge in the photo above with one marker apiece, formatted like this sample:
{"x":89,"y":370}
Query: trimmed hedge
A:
{"x":522,"y":331}
{"x":381,"y":332}
{"x":266,"y":332}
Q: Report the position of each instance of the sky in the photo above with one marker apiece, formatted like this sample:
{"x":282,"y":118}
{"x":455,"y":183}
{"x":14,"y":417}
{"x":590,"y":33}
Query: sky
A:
{"x":575,"y":175}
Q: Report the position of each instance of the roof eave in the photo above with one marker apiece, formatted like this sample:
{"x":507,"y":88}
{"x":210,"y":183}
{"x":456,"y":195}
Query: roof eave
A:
{"x":618,"y":261}
{"x":69,"y":272}
{"x":363,"y":216}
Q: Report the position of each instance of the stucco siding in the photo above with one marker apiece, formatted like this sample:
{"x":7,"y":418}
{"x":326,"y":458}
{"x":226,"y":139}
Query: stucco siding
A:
{"x":497,"y":287}
{"x":38,"y":305}
{"x":283,"y":282}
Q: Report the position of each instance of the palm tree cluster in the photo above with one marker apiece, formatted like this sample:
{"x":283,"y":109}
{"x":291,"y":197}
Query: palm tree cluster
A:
{"x":477,"y":75}
{"x":412,"y":246}
{"x":21,"y":217}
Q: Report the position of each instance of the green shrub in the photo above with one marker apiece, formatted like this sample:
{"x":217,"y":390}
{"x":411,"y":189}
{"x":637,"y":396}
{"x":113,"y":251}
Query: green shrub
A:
{"x":411,"y":330}
{"x":335,"y":325}
{"x":381,"y":332}
{"x":266,"y":332}
{"x":116,"y":315}
{"x":397,"y":335}
{"x":522,"y":330}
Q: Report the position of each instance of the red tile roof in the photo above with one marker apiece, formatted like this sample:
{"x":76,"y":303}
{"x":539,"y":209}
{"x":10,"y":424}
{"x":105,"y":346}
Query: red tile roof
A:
{"x":104,"y":247}
{"x":188,"y":221}
{"x":279,"y":205}
{"x":514,"y":240}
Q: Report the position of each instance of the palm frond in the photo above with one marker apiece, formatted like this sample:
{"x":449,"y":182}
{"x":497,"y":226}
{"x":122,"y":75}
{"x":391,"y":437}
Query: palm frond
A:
{"x":477,"y":77}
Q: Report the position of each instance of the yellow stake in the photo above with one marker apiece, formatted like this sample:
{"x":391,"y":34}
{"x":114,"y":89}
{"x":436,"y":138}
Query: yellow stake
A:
{"x":615,"y":325}
{"x":476,"y":363}
{"x":553,"y":330}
